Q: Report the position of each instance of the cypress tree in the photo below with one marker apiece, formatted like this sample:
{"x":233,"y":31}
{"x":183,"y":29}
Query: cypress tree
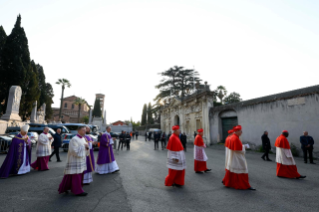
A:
{"x":97,"y":109}
{"x":149,"y":114}
{"x":15,"y":68}
{"x":144,"y":114}
{"x":3,"y":38}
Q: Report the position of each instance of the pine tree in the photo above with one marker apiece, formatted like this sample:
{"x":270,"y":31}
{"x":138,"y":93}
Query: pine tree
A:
{"x":3,"y":38}
{"x":177,"y":81}
{"x":31,"y":91}
{"x":49,"y":101}
{"x":15,"y":68}
{"x":144,"y":114}
{"x":97,"y":109}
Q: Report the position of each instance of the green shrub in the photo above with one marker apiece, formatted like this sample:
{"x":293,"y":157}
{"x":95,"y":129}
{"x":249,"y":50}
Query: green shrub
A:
{"x":294,"y":150}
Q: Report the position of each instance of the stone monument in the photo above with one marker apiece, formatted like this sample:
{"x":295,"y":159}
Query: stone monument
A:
{"x":33,"y":118}
{"x":12,"y":112}
{"x":41,"y":114}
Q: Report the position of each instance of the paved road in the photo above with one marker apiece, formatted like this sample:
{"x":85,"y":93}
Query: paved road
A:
{"x":139,"y":186}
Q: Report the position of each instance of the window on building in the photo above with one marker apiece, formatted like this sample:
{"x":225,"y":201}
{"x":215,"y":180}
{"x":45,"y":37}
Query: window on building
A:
{"x":65,"y":105}
{"x":72,"y":106}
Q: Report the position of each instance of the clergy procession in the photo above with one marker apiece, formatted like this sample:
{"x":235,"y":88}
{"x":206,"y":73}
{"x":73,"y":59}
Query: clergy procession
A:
{"x":80,"y":164}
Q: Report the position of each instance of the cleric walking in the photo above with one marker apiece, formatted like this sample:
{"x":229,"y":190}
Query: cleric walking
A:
{"x":43,"y":151}
{"x":18,"y":159}
{"x":106,"y":161}
{"x":200,"y":156}
{"x":176,"y":161}
{"x":90,"y":162}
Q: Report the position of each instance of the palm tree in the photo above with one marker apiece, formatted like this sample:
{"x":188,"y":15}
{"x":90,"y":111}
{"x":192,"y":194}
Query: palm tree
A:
{"x":79,"y":102}
{"x":63,"y":82}
{"x":221,"y":92}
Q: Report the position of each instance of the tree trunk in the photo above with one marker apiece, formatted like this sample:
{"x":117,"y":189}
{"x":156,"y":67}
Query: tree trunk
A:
{"x":60,"y":114}
{"x":79,"y":113}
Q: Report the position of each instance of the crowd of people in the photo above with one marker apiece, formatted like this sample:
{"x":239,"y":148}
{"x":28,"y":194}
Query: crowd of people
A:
{"x":80,"y":162}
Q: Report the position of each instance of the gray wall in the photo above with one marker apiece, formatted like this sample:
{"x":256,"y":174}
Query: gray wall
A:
{"x":294,"y":114}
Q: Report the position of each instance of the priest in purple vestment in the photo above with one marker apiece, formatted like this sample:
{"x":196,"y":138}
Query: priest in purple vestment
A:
{"x":19,"y":156}
{"x":75,"y":165}
{"x":105,"y":161}
{"x":88,"y":178}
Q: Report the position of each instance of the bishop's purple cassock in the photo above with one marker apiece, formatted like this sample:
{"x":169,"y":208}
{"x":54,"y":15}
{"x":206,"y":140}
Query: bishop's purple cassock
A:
{"x":18,"y":158}
{"x":88,"y":178}
{"x":105,"y":161}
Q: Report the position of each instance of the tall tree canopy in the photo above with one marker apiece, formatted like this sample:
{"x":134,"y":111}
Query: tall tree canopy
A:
{"x":16,"y":68}
{"x":97,"y":109}
{"x":176,"y":81}
{"x":232,"y":98}
{"x":144,"y":114}
{"x":150,"y":119}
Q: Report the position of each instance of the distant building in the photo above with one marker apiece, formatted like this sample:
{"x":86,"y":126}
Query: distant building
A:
{"x":119,"y":123}
{"x":70,"y":110}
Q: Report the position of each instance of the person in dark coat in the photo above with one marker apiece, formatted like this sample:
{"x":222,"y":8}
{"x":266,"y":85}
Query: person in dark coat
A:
{"x":136,"y":135}
{"x":146,"y":136}
{"x":122,"y":140}
{"x":128,"y":141}
{"x":307,"y":143}
{"x":149,"y":136}
{"x":195,"y":134}
{"x":183,"y":138}
{"x":56,"y":144}
{"x":266,"y":145}
{"x":156,"y":140}
{"x":163,"y":140}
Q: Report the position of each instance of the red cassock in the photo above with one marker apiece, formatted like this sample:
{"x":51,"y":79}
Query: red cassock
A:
{"x":176,"y":170}
{"x":200,"y":157}
{"x":235,"y":164}
{"x":286,"y":166}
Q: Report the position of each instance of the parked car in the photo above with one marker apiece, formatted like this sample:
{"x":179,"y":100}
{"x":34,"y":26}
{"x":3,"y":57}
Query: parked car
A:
{"x":5,"y":142}
{"x":66,"y":140}
{"x":57,"y":126}
{"x":12,"y":130}
{"x":73,"y":127}
{"x":33,"y":137}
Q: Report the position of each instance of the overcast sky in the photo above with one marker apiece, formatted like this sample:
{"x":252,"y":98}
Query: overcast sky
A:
{"x":118,"y":47}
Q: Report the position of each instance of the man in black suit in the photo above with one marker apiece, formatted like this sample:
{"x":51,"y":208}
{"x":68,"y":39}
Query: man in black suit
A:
{"x":184,"y":140}
{"x":266,"y":145}
{"x":307,"y":143}
{"x":156,"y":140}
{"x":122,"y":140}
{"x":128,"y":141}
{"x":56,"y":144}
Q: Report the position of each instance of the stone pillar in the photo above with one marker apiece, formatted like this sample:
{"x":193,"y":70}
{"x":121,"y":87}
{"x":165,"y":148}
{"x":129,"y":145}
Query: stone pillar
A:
{"x":13,"y":106}
{"x":33,"y":118}
{"x":90,"y":117}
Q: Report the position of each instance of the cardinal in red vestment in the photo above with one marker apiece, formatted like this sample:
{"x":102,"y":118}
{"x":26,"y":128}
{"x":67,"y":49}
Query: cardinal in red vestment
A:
{"x":286,"y":166}
{"x":236,"y":166}
{"x":176,"y":161}
{"x":200,"y":156}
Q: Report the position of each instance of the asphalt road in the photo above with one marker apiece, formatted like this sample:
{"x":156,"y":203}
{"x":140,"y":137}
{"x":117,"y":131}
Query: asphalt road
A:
{"x":139,"y":186}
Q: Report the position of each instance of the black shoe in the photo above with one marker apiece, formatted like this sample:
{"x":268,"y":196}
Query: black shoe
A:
{"x":301,"y":177}
{"x":252,"y":189}
{"x":207,"y":170}
{"x":178,"y":186}
{"x":49,"y":160}
{"x":269,"y":159}
{"x":199,"y":172}
{"x":59,"y":161}
{"x":312,"y":163}
{"x":86,"y":183}
{"x":82,"y":194}
{"x":305,"y":162}
{"x":263,"y":158}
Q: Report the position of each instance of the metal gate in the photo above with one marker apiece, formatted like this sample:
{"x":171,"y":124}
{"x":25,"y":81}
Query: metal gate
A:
{"x":227,"y":124}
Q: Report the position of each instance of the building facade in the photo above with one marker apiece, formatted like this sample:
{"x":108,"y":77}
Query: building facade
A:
{"x":295,"y":111}
{"x":190,"y":113}
{"x":70,"y":110}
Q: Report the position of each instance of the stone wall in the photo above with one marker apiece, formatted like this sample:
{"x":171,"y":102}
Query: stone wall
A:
{"x":273,"y":114}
